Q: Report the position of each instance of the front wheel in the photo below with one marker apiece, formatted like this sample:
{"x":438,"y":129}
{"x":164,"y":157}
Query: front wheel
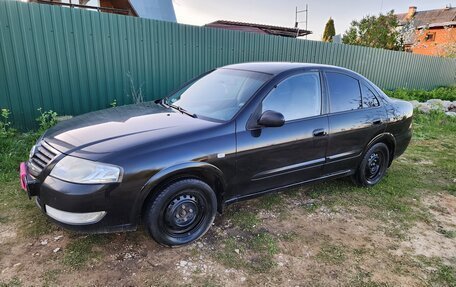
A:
{"x":373,"y":166}
{"x":181,"y":213}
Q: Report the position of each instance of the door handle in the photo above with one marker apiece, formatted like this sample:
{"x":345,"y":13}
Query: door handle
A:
{"x":377,"y":122}
{"x":319,"y":132}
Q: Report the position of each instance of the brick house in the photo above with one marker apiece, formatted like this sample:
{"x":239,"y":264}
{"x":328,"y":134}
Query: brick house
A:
{"x":431,"y":32}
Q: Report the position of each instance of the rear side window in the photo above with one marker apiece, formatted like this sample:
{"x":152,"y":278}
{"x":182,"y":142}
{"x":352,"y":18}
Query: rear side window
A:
{"x":296,"y":97}
{"x":344,"y":92}
{"x":369,"y":98}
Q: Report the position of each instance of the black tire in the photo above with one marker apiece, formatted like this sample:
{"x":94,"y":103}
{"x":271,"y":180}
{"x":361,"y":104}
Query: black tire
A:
{"x":181,"y":213}
{"x":373,"y":166}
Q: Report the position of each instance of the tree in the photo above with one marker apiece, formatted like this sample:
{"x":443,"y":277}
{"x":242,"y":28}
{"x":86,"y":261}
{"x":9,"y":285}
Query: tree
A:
{"x":374,"y":31}
{"x":408,"y":34}
{"x":330,"y":31}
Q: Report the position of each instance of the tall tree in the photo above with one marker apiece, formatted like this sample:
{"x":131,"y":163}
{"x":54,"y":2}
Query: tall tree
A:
{"x":330,"y":31}
{"x":374,"y":31}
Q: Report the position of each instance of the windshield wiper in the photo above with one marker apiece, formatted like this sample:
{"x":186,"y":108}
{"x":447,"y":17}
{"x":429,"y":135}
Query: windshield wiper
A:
{"x":180,"y":109}
{"x":184,"y":111}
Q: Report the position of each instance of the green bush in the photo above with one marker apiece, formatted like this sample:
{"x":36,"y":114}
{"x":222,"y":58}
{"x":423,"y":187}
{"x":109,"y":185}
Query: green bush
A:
{"x":443,"y":93}
{"x":46,"y":120}
{"x":5,"y":124}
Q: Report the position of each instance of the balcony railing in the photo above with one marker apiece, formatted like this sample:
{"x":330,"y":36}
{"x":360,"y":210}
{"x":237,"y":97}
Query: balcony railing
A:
{"x":99,"y":9}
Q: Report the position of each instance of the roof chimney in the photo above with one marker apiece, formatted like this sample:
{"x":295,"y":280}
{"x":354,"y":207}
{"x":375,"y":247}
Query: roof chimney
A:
{"x":411,"y":12}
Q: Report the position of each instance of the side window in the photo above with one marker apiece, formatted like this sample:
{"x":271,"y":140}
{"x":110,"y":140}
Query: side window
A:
{"x":296,"y":97}
{"x":369,"y":99}
{"x":344,"y":92}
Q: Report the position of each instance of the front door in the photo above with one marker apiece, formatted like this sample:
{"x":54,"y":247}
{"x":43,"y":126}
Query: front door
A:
{"x":272,"y":157}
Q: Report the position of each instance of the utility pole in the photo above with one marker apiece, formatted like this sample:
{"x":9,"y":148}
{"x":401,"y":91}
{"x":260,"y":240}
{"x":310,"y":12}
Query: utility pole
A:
{"x":306,"y":11}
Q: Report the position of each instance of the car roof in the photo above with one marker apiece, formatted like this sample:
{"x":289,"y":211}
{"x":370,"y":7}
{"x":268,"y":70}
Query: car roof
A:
{"x":275,"y":68}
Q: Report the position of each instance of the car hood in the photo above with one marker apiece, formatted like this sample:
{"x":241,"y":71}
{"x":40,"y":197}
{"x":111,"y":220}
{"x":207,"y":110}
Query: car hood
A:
{"x":119,"y":128}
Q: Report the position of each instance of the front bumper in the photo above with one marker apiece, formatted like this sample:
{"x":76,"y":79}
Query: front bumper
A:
{"x":88,"y":208}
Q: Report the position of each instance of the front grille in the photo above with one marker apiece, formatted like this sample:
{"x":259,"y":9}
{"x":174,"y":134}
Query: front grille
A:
{"x":42,"y":156}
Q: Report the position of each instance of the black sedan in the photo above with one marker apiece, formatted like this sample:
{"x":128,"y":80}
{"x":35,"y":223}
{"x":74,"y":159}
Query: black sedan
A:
{"x":231,"y":134}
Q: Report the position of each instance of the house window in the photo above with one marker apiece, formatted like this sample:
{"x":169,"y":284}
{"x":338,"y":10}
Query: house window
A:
{"x":430,"y":37}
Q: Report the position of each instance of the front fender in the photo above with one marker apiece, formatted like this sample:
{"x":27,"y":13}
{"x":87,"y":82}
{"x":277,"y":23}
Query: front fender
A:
{"x":209,"y":171}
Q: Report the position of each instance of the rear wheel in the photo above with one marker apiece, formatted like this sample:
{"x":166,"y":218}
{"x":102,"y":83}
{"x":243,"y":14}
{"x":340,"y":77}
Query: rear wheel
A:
{"x":181,"y":213}
{"x":373,"y":166}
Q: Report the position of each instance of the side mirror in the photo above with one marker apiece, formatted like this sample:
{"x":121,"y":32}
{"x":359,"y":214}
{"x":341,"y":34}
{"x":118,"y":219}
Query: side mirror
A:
{"x":271,"y":119}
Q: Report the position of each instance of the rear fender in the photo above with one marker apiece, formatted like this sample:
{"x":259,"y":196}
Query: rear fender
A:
{"x":388,"y":139}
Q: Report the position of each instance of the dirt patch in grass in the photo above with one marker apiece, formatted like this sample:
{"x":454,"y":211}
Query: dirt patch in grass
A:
{"x":437,"y":238}
{"x":325,"y":246}
{"x":337,"y":248}
{"x":7,"y":233}
{"x":307,"y":247}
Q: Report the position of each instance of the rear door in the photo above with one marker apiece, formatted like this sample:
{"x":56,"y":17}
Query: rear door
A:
{"x":355,"y":117}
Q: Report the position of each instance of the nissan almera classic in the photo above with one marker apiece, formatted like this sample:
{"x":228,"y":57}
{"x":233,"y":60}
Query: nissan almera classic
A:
{"x":231,"y":134}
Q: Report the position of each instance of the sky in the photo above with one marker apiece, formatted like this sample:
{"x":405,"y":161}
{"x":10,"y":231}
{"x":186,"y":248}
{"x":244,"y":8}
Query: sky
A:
{"x":282,"y":12}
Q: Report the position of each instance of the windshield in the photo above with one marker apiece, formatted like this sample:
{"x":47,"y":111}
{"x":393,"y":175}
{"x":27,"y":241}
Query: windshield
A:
{"x":218,"y":95}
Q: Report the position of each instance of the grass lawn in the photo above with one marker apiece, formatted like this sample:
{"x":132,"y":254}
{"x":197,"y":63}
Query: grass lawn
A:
{"x":401,"y":232}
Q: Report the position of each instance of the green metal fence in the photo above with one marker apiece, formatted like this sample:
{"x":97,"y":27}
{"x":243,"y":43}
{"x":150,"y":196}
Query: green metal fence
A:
{"x":73,"y":61}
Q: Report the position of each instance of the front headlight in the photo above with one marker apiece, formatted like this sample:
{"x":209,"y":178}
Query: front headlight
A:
{"x":80,"y":170}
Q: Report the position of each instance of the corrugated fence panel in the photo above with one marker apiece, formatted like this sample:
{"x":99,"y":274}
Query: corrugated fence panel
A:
{"x":74,"y":61}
